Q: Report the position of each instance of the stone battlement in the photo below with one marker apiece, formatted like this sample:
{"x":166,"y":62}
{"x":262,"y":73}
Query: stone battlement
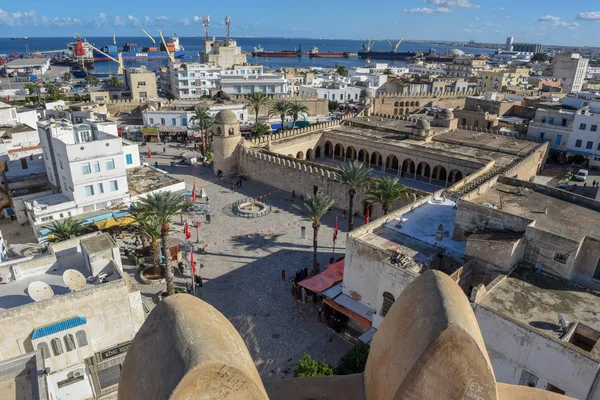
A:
{"x":429,"y":95}
{"x":300,"y":131}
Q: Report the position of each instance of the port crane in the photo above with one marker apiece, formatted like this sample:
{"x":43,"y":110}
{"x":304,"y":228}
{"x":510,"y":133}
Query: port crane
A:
{"x":147,"y":34}
{"x":395,"y":46}
{"x":171,"y":57}
{"x":368,"y":45}
{"x":118,"y":60}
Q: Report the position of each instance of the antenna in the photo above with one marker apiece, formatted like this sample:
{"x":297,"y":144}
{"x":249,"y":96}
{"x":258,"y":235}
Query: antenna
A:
{"x":39,"y":291}
{"x":74,"y":279}
{"x":206,"y":23}
{"x":564,"y":324}
{"x":228,"y":25}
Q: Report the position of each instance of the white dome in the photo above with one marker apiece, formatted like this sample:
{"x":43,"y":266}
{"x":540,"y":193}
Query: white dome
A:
{"x":457,"y":52}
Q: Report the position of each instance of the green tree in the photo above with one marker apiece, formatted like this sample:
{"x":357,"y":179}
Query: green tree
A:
{"x":150,"y":227}
{"x":386,"y":191}
{"x":257,"y":100}
{"x":113,"y":81}
{"x":260,"y":130}
{"x":296,"y":111}
{"x":203,"y":119}
{"x":333,"y":106}
{"x":388,"y":71}
{"x":52,"y":89}
{"x":34,"y":88}
{"x":316,"y":207}
{"x":342,"y":71}
{"x":92,"y":80}
{"x":356,"y":176}
{"x":540,"y":57}
{"x":65,"y":229}
{"x":308,"y":367}
{"x":163,"y":206}
{"x":66,"y":77}
{"x":354,"y":361}
{"x":280,"y":109}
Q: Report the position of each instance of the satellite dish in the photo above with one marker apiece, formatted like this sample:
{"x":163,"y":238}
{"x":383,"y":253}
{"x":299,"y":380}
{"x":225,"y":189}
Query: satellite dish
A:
{"x":564,"y":324}
{"x":39,"y":291}
{"x":74,"y":279}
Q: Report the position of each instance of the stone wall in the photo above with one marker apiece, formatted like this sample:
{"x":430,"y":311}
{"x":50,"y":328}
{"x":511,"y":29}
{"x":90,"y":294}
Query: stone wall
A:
{"x":397,"y":104}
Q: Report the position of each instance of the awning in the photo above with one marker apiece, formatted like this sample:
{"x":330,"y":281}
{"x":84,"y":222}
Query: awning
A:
{"x":364,"y":322}
{"x":326,"y":279}
{"x":57,"y":327}
{"x":113,"y":222}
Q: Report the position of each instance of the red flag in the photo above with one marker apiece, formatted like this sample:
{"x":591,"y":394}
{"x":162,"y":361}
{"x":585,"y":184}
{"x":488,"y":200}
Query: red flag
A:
{"x":187,"y":232}
{"x":194,"y":193}
{"x":149,"y":153}
{"x":367,"y":217}
{"x":192,"y":263}
{"x":335,"y":230}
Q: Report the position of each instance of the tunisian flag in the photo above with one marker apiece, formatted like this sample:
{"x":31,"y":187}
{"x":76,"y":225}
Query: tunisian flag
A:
{"x":187,"y":232}
{"x":335,"y":230}
{"x":192,"y":263}
{"x":367,"y":217}
{"x":149,"y":154}
{"x":194,"y":193}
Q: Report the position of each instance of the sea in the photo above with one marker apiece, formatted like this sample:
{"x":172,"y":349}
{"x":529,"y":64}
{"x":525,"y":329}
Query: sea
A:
{"x":193,"y":45}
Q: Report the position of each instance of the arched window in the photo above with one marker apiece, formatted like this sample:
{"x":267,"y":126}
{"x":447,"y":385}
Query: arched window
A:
{"x":57,"y":348}
{"x":388,"y":300}
{"x":69,"y":342}
{"x":81,"y":338}
{"x":43,"y":347}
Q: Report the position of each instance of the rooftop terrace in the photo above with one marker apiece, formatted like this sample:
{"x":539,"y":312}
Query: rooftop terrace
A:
{"x":146,"y":179}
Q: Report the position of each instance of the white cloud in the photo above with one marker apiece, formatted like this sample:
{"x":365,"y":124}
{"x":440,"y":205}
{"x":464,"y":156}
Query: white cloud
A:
{"x":452,"y":3}
{"x":556,"y":22}
{"x":442,"y":10}
{"x":118,"y":21}
{"x":17,"y":18}
{"x":427,"y":10}
{"x":499,"y":9}
{"x":131,"y":20}
{"x":100,"y":20}
{"x":589,"y":16}
{"x":476,"y":18}
{"x":490,"y":24}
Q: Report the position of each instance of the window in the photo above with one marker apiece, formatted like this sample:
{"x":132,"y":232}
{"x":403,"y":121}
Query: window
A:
{"x":564,"y":122}
{"x":81,"y":338}
{"x":141,"y":83}
{"x":561,"y":258}
{"x":174,"y":121}
{"x":43,"y":347}
{"x":594,"y":128}
{"x":388,"y":300}
{"x":96,"y":166}
{"x":582,"y":127}
{"x":59,"y":162}
{"x":551,"y":388}
{"x":333,"y":96}
{"x":110,"y":164}
{"x":589,"y":145}
{"x":114,"y":186}
{"x":551,"y":120}
{"x":542,"y":134}
{"x":544,"y":119}
{"x":163,"y":121}
{"x":528,"y":379}
{"x":89,"y":190}
{"x":597,"y":271}
{"x":85,"y":169}
{"x":57,"y":349}
{"x":183,"y":121}
{"x":109,"y":377}
{"x":578,"y":143}
{"x":128,"y":159}
{"x":48,"y":218}
{"x":558,"y":141}
{"x":100,"y":188}
{"x":151,"y":120}
{"x":69,"y":342}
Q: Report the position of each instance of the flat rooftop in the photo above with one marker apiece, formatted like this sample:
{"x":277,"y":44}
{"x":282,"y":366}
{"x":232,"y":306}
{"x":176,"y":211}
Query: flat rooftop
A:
{"x":487,"y":141}
{"x":146,"y":179}
{"x":535,"y":299}
{"x":27,"y":62}
{"x":7,"y":132}
{"x":564,"y":218}
{"x":49,"y":269}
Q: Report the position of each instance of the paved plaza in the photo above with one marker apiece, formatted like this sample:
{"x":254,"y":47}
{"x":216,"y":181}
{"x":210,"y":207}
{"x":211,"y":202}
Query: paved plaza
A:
{"x":242,"y":268}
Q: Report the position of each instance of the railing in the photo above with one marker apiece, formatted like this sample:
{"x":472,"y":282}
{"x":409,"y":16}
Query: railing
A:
{"x":267,"y":207}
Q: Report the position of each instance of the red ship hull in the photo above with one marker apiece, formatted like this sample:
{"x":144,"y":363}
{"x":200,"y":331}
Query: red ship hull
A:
{"x":275,"y":54}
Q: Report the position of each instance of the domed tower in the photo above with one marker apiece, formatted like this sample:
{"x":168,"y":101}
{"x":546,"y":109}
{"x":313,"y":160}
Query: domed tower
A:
{"x":369,"y":99}
{"x":226,"y":131}
{"x":446,"y":119}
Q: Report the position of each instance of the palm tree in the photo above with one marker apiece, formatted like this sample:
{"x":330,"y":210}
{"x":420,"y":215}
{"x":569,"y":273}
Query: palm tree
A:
{"x":151,"y":227}
{"x":386,"y":191}
{"x":65,"y":229}
{"x":34,"y":88}
{"x":257,"y":100}
{"x":163,"y":206}
{"x":316,"y":207}
{"x":204,"y":120}
{"x":355,"y":175}
{"x":281,"y":109}
{"x":297,"y":110}
{"x":333,"y":106}
{"x":260,"y":130}
{"x":92,"y":80}
{"x":114,"y":81}
{"x":66,"y":76}
{"x":52,"y":89}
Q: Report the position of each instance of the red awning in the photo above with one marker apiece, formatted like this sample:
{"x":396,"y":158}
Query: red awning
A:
{"x":349,"y":313}
{"x":326,"y":279}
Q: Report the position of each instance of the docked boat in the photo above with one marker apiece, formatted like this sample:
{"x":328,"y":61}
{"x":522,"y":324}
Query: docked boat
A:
{"x":133,"y":51}
{"x":260,"y":52}
{"x":314,"y":53}
{"x":20,"y":38}
{"x":394,"y":54}
{"x":81,"y":52}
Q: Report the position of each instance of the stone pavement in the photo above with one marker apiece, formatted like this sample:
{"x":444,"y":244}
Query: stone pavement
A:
{"x":242,"y":275}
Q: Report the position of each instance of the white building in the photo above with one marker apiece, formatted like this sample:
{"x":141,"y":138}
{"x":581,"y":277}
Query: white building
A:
{"x":335,"y":91}
{"x":234,"y":82}
{"x":190,"y":80}
{"x":21,"y":152}
{"x":552,"y":125}
{"x":572,"y":69}
{"x":583,"y":99}
{"x":423,"y":68}
{"x":10,"y":115}
{"x":585,"y":137}
{"x":177,"y":116}
{"x":81,"y":333}
{"x":28,"y":66}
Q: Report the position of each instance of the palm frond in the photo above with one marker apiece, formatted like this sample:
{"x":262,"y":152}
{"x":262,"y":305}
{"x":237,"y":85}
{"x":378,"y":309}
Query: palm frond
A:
{"x":355,"y":175}
{"x":65,"y":229}
{"x":316,"y":206}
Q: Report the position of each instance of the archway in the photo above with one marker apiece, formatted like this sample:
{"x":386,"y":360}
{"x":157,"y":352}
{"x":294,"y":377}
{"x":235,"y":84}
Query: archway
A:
{"x":418,"y":104}
{"x":406,"y":111}
{"x":300,"y":155}
{"x":376,"y":159}
{"x":363,"y":156}
{"x":402,"y":111}
{"x":454,"y":176}
{"x":350,"y":153}
{"x":396,"y":104}
{"x":439,"y":173}
{"x":401,"y":104}
{"x":290,"y":155}
{"x":339,"y":151}
{"x":424,"y":170}
{"x":408,"y":167}
{"x":395,"y":111}
{"x":310,"y":154}
{"x":318,"y":152}
{"x":328,"y":149}
{"x":391,"y":164}
{"x":412,"y":103}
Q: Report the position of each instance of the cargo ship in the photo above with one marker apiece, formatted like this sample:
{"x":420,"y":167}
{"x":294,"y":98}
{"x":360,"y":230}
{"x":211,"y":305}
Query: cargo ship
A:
{"x":133,"y":51}
{"x":20,"y":38}
{"x":386,"y":55}
{"x":314,"y":53}
{"x":260,"y":52}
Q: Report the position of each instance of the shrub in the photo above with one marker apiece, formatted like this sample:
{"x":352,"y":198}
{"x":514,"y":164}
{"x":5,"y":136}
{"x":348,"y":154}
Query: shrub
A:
{"x":354,"y":361}
{"x":308,"y":367}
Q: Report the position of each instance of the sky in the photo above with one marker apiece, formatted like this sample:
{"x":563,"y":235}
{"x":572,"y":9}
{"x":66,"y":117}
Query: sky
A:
{"x":544,"y":21}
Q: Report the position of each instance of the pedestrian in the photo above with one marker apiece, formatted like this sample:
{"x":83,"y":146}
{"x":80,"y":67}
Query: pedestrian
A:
{"x":207,"y":200}
{"x":293,"y":194}
{"x":180,"y":267}
{"x":156,"y":164}
{"x":320,"y":317}
{"x":241,"y":182}
{"x":303,"y":294}
{"x":283,"y":274}
{"x":198,"y":280}
{"x":164,"y":149}
{"x":232,"y":188}
{"x":584,"y":184}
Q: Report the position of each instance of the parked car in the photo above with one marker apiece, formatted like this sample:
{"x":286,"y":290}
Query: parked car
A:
{"x":581,"y":175}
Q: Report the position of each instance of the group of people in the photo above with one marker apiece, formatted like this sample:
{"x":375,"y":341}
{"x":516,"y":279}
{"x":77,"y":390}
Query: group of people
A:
{"x":594,"y":184}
